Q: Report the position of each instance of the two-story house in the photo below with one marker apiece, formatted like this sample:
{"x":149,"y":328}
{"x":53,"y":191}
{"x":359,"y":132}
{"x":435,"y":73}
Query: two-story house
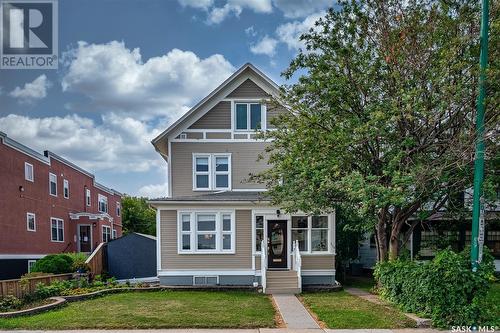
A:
{"x":214,"y":226}
{"x":49,"y":205}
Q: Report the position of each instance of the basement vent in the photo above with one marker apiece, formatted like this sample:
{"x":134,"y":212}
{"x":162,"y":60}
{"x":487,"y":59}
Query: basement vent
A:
{"x":205,"y":280}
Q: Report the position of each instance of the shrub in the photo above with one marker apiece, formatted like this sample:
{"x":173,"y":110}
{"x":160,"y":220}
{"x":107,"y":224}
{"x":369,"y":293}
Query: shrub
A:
{"x":79,"y":264}
{"x":444,"y":289}
{"x":9,"y":303}
{"x":54,"y":263}
{"x":54,"y":289}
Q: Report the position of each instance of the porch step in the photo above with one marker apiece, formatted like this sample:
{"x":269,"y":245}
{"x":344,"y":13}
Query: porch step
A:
{"x":282,"y":282}
{"x":282,"y":290}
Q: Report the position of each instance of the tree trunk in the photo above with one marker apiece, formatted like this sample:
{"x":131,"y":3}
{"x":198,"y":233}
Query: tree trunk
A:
{"x":381,"y":240}
{"x":394,"y":247}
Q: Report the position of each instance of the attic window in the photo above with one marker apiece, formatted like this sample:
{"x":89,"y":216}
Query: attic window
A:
{"x":248,"y":116}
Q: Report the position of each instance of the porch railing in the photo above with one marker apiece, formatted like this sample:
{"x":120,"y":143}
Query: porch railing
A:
{"x":297,"y":263}
{"x":263,"y":264}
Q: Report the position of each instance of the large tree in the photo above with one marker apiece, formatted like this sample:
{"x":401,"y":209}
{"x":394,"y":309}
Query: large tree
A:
{"x":138,"y":216}
{"x":381,"y":118}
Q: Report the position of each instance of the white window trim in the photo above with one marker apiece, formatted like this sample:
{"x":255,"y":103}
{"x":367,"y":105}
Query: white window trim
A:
{"x":102,"y":233}
{"x":28,"y":215}
{"x":99,"y":197}
{"x":29,"y":176}
{"x":50,"y":181}
{"x":65,"y":186}
{"x":118,"y":209}
{"x":62,"y":225}
{"x":212,"y":172}
{"x":194,"y":231}
{"x":263,"y":118}
{"x":215,"y":172}
{"x":29,"y":264}
{"x":114,"y":234}
{"x":309,"y":233}
{"x":88,"y":197}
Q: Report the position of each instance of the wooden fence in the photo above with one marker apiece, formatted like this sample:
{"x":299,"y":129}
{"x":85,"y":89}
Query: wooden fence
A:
{"x":96,"y":261}
{"x":19,"y":289}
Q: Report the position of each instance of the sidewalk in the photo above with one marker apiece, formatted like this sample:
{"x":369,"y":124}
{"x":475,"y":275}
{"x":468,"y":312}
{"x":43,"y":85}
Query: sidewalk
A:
{"x":257,"y":330}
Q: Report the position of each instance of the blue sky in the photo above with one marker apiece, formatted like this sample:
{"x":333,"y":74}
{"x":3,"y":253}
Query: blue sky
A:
{"x":131,"y":67}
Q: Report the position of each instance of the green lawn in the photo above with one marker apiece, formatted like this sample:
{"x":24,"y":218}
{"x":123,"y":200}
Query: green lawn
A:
{"x":161,"y":309}
{"x":360,"y":282}
{"x":341,"y":310}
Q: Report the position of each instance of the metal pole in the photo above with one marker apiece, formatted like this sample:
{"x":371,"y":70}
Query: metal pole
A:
{"x":479,"y":158}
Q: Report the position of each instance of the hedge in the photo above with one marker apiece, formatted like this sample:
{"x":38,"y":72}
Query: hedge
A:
{"x":444,"y":289}
{"x":54,"y":263}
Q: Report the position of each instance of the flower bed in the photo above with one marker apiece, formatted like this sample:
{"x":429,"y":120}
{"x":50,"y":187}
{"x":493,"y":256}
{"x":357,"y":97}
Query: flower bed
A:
{"x":44,"y":295}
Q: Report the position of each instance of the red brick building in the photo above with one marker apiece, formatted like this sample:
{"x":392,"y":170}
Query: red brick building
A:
{"x":49,"y":205}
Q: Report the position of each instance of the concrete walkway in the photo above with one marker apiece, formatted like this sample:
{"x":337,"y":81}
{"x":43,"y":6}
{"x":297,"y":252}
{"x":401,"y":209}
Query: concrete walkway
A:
{"x":294,"y":314}
{"x":420,"y":322}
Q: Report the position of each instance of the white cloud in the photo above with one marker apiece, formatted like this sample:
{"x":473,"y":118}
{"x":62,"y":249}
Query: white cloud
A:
{"x":116,"y":78}
{"x":121,"y":144}
{"x":250,"y":31}
{"x":266,"y":45}
{"x":154,"y":191}
{"x":231,"y":7}
{"x":289,"y":33}
{"x":200,"y":4}
{"x":302,"y":8}
{"x":219,"y":14}
{"x":32,"y":91}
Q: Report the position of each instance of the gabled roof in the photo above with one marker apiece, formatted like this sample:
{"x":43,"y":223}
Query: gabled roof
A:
{"x":197,"y":108}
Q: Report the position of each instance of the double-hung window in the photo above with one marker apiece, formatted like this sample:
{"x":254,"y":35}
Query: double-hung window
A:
{"x":66,"y":188}
{"x":28,"y":172}
{"x":87,"y":197}
{"x":53,"y":184}
{"x":57,"y":230}
{"x":312,"y":233}
{"x":206,"y":232}
{"x":103,"y":203}
{"x":118,"y":209}
{"x":248,"y":116}
{"x":211,"y":172}
{"x":30,"y":222}
{"x":106,"y":233}
{"x":202,"y":172}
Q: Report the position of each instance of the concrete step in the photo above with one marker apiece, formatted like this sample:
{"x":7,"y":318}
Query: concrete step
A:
{"x":282,"y":290}
{"x":282,"y":278}
{"x":282,"y":286}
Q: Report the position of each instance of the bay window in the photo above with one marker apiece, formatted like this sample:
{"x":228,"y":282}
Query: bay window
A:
{"x":206,"y":232}
{"x":211,"y":172}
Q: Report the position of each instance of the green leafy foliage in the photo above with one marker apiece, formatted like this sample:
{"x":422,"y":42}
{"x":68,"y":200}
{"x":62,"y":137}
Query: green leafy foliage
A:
{"x":138,"y":216}
{"x":79,"y":259}
{"x":444,"y":289}
{"x":381,"y":117}
{"x":54,"y":263}
{"x":9,"y":303}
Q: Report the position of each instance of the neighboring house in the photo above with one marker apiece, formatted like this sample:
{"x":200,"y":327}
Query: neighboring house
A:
{"x":49,"y":205}
{"x":215,"y":226}
{"x":132,"y":256}
{"x":443,"y":230}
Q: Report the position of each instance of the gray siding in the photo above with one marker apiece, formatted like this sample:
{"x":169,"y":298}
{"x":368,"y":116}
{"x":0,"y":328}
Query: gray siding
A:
{"x":219,"y":117}
{"x":248,"y":89}
{"x":243,"y":159}
{"x":242,"y":259}
{"x":272,"y":112}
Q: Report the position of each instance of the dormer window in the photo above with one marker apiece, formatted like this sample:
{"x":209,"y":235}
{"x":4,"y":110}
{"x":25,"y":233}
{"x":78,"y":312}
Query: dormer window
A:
{"x":248,"y":116}
{"x":211,"y":172}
